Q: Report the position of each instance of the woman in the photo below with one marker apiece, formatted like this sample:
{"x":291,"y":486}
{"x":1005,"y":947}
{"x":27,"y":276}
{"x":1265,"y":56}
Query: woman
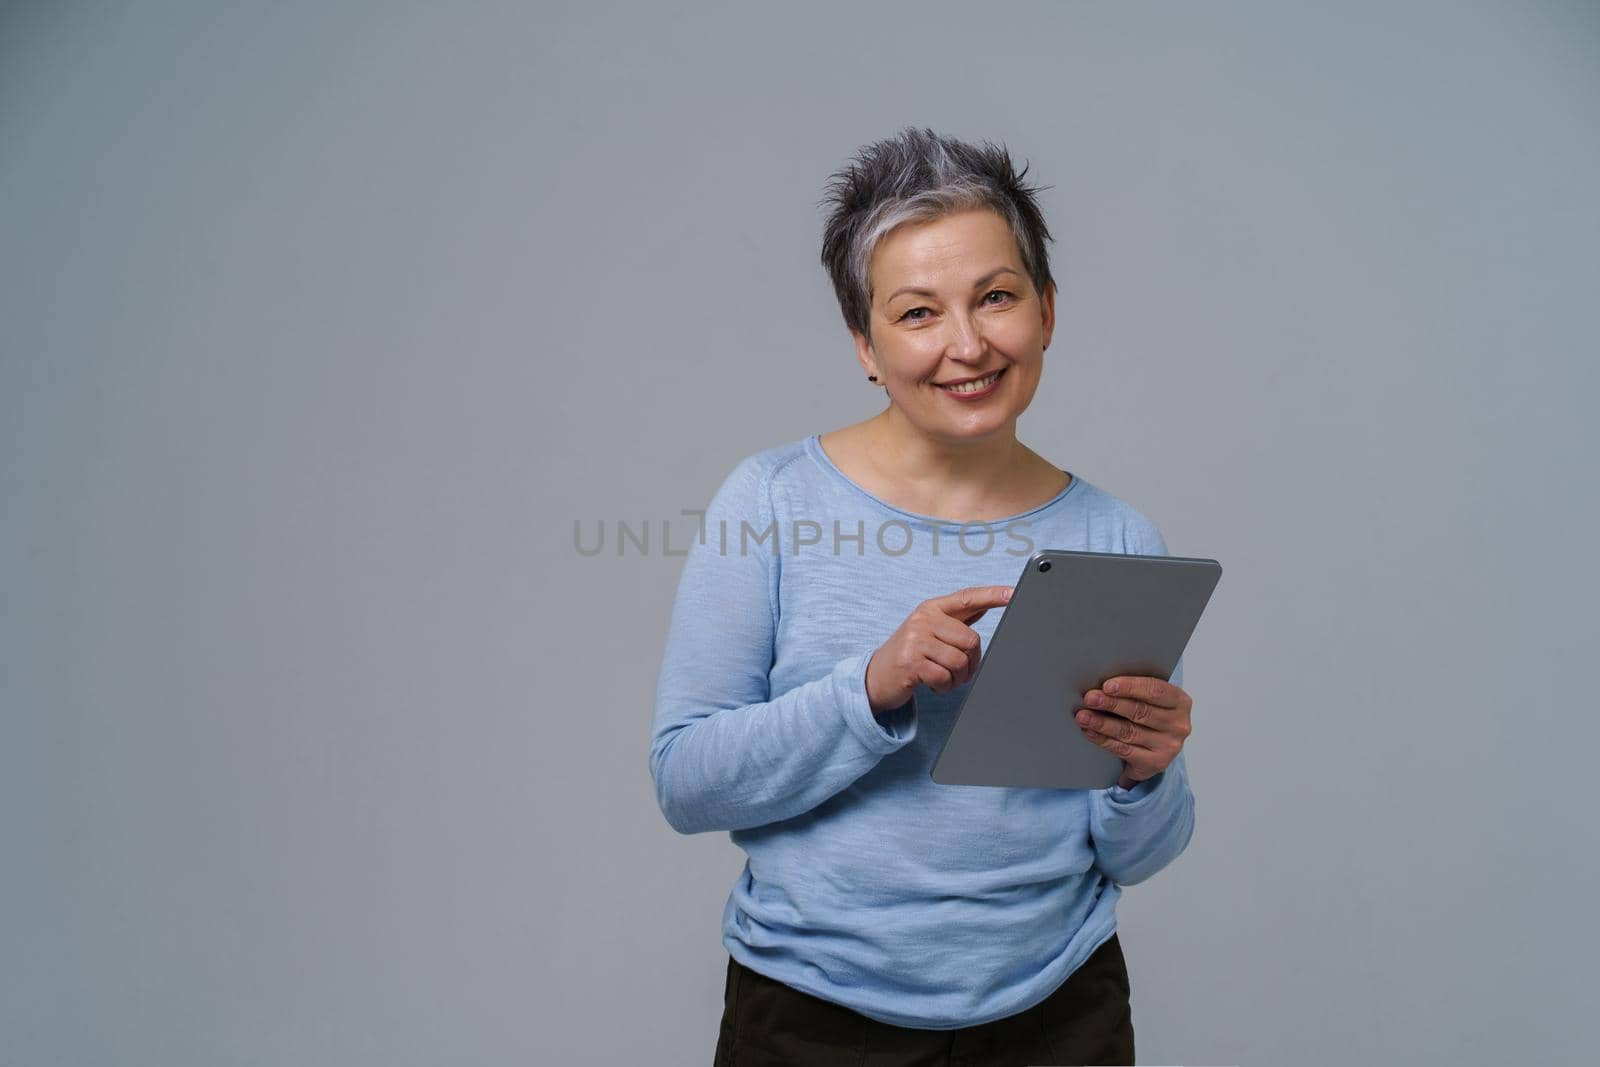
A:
{"x":829,"y":614}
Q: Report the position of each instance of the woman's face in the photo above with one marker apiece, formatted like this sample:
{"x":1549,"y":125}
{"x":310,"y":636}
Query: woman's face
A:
{"x":951,"y":303}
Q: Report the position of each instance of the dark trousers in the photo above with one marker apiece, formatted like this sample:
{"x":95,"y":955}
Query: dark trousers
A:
{"x":766,"y":1023}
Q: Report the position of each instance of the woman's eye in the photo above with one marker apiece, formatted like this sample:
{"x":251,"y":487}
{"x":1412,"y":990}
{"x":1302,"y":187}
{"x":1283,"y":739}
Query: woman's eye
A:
{"x":912,"y":315}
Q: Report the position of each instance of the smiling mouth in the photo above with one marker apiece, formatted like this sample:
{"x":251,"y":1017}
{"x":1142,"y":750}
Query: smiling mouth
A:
{"x":976,"y":386}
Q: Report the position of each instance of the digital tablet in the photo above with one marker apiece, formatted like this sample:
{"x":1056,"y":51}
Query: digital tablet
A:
{"x":1074,"y":620}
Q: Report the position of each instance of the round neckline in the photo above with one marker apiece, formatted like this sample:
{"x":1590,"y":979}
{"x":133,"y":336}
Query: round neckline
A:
{"x":823,"y":460}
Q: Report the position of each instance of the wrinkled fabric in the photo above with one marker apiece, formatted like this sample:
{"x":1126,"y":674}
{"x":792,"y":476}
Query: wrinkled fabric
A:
{"x":866,"y":883}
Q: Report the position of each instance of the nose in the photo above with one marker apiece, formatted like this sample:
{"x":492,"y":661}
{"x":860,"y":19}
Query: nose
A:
{"x":966,"y":340}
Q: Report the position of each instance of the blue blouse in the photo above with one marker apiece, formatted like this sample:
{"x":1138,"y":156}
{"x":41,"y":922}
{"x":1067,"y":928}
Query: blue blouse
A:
{"x":866,"y":883}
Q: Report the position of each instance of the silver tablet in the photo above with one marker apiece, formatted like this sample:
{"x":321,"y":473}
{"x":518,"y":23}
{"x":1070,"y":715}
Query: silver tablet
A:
{"x":1075,"y":619}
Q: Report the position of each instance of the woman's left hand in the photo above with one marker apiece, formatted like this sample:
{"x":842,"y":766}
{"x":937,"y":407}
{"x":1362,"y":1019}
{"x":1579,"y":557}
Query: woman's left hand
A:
{"x":1143,"y":720}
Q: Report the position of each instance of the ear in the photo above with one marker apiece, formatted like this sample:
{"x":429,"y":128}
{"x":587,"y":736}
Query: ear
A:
{"x":864,"y":354}
{"x":1047,"y":304}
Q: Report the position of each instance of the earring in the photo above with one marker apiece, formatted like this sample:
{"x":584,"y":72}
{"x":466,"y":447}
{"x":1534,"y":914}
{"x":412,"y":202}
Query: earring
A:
{"x":872,"y":377}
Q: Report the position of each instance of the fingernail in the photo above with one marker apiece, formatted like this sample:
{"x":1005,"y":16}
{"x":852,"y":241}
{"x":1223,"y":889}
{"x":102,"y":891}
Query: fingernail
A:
{"x":1083,"y":717}
{"x":1112,"y":687}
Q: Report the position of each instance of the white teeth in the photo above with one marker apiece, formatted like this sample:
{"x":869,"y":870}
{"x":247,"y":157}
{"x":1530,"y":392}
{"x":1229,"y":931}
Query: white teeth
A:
{"x":972,"y":387}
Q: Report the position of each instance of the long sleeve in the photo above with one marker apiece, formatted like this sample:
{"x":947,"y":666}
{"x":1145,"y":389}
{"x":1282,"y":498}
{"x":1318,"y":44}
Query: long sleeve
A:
{"x":1139,"y":831}
{"x":726,"y":753}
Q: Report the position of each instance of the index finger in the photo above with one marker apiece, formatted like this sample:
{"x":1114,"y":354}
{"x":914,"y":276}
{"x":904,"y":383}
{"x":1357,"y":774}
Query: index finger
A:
{"x":1150,"y":690}
{"x":970,"y":603}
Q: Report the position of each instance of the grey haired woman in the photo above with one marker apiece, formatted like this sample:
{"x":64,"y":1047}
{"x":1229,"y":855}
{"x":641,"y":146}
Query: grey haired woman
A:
{"x":808,"y":683}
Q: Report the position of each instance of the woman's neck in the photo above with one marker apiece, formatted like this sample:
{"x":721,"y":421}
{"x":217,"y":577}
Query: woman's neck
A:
{"x":965,"y":480}
{"x":907,"y":455}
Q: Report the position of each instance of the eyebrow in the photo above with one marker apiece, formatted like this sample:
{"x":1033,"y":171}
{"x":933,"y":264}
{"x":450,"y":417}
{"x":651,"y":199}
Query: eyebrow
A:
{"x":980,"y":283}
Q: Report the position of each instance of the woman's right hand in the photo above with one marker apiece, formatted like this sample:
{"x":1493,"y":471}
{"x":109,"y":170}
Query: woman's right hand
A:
{"x":936,"y":646}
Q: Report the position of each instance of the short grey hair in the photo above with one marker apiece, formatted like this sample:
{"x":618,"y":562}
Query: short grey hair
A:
{"x":915,"y":176}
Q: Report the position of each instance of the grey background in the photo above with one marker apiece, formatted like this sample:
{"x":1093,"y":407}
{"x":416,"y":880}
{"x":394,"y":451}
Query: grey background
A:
{"x":322,"y":325}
